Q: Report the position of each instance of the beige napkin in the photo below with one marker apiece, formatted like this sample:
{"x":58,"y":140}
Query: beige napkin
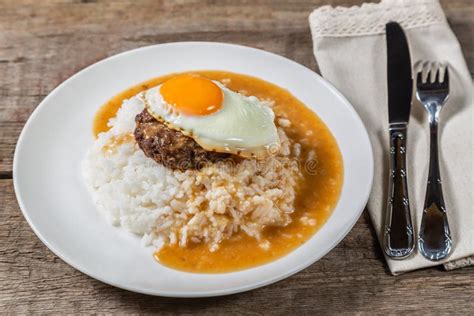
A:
{"x":349,"y":45}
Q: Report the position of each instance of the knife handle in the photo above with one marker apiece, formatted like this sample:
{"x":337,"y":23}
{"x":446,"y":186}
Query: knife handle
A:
{"x":398,"y":237}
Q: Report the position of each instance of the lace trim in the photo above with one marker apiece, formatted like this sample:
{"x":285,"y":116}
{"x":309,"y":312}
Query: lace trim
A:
{"x":460,"y":263}
{"x":370,"y":18}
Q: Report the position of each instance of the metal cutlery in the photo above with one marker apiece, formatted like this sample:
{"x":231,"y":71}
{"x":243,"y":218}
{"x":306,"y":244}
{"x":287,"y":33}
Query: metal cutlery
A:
{"x":398,"y":237}
{"x":434,"y":240}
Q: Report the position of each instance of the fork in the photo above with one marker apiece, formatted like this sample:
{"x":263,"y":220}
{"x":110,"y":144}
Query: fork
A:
{"x":434,"y":239}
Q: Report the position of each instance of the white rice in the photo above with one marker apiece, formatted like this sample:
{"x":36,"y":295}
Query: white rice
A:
{"x":208,"y":205}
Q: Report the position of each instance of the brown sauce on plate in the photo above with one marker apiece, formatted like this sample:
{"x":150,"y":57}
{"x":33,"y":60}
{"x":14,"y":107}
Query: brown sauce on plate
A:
{"x":317,"y":194}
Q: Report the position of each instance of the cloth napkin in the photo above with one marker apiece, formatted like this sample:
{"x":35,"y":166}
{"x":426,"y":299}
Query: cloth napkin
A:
{"x":350,"y":48}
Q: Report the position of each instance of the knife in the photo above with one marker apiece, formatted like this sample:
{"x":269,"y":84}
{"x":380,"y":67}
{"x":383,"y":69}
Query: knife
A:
{"x":398,"y":237}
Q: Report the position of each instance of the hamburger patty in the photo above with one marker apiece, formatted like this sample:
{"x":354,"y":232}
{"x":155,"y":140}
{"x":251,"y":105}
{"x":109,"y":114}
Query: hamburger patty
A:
{"x":169,"y":147}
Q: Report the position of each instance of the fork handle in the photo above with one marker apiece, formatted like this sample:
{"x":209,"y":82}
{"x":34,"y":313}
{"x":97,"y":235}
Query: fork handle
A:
{"x":398,"y":239}
{"x":435,"y":236}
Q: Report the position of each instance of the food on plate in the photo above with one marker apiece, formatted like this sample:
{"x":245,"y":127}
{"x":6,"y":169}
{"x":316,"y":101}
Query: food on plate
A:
{"x":215,"y":117}
{"x":218,"y":171}
{"x":171,"y":147}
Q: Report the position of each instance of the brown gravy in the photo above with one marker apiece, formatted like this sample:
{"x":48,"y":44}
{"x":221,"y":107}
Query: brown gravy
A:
{"x":317,"y":195}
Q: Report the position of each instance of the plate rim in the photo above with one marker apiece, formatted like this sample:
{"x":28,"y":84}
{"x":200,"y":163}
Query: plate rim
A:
{"x":212,"y":293}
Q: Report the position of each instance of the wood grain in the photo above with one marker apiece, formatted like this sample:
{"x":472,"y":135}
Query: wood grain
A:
{"x":44,"y":42}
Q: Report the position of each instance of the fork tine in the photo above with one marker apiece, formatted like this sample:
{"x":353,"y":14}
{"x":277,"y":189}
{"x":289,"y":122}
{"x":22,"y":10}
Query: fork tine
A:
{"x":419,"y":78}
{"x":445,"y":82}
{"x":437,"y":76}
{"x":442,"y":71}
{"x":426,"y":71}
{"x":433,"y":73}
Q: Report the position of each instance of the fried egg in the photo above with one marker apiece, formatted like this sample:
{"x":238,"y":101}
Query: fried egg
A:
{"x":217,"y":118}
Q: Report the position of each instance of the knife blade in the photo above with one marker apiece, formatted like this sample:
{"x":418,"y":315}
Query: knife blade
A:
{"x":398,"y":239}
{"x":399,"y":75}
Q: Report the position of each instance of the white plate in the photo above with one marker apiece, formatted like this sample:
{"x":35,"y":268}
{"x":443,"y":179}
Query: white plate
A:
{"x":58,"y":208}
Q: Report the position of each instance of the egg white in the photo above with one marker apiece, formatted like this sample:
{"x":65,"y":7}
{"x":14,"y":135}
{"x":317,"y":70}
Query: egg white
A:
{"x":243,"y":126}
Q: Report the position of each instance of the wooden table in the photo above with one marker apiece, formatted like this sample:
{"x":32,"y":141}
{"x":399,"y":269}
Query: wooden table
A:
{"x":44,"y":42}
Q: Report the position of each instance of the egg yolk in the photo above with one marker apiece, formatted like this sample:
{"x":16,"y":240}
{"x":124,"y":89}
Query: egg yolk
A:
{"x":192,"y":95}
